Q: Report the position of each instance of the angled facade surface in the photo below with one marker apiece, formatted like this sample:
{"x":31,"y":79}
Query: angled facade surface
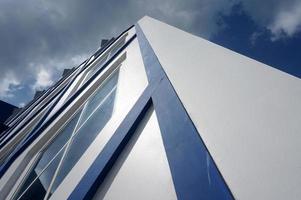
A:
{"x":157,"y":113}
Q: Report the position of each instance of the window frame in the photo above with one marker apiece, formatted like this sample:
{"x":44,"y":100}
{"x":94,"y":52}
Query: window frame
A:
{"x":14,"y":174}
{"x":73,"y":108}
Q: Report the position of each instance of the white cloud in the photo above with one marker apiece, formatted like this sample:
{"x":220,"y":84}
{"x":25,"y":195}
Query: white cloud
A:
{"x":201,"y":17}
{"x":287,"y":22}
{"x":57,"y":40}
{"x":281,"y":17}
{"x":48,"y":73}
{"x":8,"y":85}
{"x":22,"y":104}
{"x":43,"y":79}
{"x":68,"y":61}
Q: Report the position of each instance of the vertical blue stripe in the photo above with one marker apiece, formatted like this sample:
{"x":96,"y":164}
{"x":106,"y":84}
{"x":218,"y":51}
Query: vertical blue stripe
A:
{"x":102,"y":165}
{"x":194,"y":173}
{"x":193,"y":170}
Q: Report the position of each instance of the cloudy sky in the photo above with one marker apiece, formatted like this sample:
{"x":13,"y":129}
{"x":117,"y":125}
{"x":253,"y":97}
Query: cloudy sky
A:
{"x":39,"y":38}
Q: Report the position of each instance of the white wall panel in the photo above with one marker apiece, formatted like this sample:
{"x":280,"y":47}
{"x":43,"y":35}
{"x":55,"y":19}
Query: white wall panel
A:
{"x":142,"y":171}
{"x":247,"y":113}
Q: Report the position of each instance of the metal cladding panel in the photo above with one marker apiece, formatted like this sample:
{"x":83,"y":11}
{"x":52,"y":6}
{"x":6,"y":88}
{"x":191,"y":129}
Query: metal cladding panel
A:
{"x":247,"y":113}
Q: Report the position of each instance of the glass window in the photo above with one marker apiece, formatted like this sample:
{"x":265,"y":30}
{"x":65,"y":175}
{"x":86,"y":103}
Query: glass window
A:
{"x":99,"y":118}
{"x":49,"y":159}
{"x":132,"y":81}
{"x":36,"y":185}
{"x":62,"y":154}
{"x":95,"y":68}
{"x":119,"y":44}
{"x":58,"y":143}
{"x":113,"y":50}
{"x":96,"y":114}
{"x":99,"y":96}
{"x":14,"y":141}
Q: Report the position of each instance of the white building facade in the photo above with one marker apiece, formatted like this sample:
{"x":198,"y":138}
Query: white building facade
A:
{"x":158,"y":113}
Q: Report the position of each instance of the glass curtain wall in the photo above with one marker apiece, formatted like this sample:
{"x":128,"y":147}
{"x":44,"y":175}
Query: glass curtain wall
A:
{"x":56,"y":160}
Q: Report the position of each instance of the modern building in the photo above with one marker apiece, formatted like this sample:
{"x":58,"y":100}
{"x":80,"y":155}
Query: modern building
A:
{"x":6,"y":110}
{"x":157,"y":113}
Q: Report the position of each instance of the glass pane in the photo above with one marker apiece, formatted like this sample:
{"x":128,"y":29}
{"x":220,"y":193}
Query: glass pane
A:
{"x":49,"y":153}
{"x":96,"y":116}
{"x":36,"y":186}
{"x":33,"y":125}
{"x":99,"y":96}
{"x":96,"y":67}
{"x":118,"y":45}
{"x":57,"y":143}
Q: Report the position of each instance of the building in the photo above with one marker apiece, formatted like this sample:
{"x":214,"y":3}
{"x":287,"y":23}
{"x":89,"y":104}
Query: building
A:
{"x":157,"y":113}
{"x":6,"y":110}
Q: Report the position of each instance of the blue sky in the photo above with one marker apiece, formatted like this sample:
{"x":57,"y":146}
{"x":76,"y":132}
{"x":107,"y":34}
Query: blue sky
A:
{"x":40,"y":38}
